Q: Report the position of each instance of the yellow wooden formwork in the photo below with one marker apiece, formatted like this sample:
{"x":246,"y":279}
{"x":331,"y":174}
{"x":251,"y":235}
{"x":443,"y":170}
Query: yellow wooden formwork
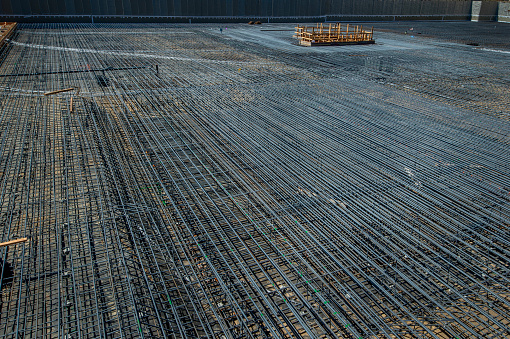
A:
{"x":333,"y":34}
{"x":6,"y":30}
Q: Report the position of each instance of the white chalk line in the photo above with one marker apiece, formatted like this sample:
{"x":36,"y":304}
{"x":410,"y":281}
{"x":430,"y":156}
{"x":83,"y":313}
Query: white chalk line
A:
{"x":126,"y":54}
{"x":495,"y":50}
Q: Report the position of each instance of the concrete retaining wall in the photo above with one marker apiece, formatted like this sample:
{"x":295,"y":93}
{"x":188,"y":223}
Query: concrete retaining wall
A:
{"x":484,"y":11}
{"x":233,"y":10}
{"x":504,"y":11}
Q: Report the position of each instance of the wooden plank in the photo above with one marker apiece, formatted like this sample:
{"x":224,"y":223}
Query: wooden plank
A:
{"x":59,"y":91}
{"x":13,"y":242}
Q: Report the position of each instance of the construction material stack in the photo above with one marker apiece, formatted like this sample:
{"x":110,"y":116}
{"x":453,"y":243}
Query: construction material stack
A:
{"x":6,"y":31}
{"x":333,"y":35}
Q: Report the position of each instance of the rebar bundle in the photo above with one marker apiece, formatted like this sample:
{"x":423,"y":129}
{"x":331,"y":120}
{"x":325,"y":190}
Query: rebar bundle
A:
{"x":176,"y":182}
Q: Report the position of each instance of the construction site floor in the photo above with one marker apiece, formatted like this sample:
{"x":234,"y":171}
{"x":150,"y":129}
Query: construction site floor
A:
{"x":193,"y":182}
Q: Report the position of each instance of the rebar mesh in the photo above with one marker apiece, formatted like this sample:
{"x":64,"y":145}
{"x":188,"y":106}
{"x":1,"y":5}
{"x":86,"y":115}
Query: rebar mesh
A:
{"x":199,"y":184}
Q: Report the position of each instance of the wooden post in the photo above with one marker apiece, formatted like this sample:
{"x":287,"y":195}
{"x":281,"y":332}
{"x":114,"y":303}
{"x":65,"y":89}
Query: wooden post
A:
{"x":13,"y":242}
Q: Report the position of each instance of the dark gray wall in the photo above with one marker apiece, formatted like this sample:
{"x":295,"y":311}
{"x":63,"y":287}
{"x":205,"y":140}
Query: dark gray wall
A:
{"x":489,"y":10}
{"x":256,"y":8}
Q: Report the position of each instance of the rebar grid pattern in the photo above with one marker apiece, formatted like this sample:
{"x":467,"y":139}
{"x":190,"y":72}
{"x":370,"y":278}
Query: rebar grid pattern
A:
{"x":242,"y":191}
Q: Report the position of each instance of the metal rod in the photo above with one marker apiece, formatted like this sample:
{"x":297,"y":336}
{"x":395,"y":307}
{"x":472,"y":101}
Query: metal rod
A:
{"x":306,"y":195}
